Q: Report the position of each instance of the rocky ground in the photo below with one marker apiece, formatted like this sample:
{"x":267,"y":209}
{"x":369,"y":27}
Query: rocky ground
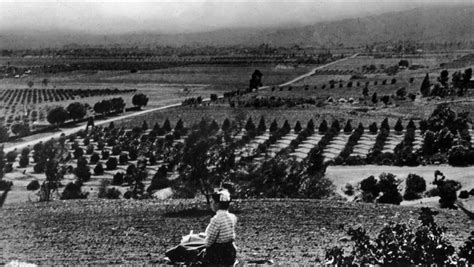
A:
{"x":132,"y":232}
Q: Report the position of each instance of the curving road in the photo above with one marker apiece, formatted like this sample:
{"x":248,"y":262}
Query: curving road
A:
{"x":70,"y":131}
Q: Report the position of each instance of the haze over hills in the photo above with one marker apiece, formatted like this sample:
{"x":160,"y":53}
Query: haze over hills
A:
{"x":426,"y":24}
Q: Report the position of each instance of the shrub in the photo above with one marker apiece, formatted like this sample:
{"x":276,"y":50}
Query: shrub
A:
{"x":94,"y":158}
{"x":123,"y":159}
{"x":398,"y":126}
{"x":118,"y":178}
{"x":464,"y":194}
{"x":116,"y":150}
{"x":86,"y":141}
{"x":458,"y":156}
{"x":373,"y":128}
{"x":11,"y":156}
{"x":73,"y":191}
{"x":20,"y":129}
{"x":100,"y":145}
{"x":323,"y":127}
{"x":133,"y":154}
{"x":414,"y":187}
{"x":24,"y":160}
{"x":5,"y":185}
{"x":111,"y":163}
{"x":159,"y":180}
{"x":446,"y":190}
{"x":78,"y":153}
{"x":39,"y":167}
{"x":348,"y":189}
{"x":348,"y":127}
{"x":82,"y":171}
{"x":388,"y":186}
{"x":33,"y":185}
{"x":90,"y":149}
{"x":99,"y":169}
{"x":400,"y":244}
{"x":369,"y":185}
{"x":105,"y":154}
{"x":298,"y":127}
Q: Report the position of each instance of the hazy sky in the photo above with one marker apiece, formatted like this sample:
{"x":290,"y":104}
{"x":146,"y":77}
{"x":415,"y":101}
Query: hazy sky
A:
{"x":184,"y":16}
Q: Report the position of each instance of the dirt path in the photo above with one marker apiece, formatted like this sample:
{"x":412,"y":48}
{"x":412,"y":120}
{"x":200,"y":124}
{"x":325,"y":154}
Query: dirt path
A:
{"x":317,"y":68}
{"x":69,"y":131}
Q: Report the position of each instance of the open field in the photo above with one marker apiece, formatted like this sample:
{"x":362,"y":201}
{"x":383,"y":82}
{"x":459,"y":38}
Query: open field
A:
{"x":138,"y":232}
{"x":218,"y":77}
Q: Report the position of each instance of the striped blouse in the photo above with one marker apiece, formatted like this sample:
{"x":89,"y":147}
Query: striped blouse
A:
{"x":221,"y":229}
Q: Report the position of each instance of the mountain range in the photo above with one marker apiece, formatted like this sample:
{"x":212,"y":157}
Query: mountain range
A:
{"x":426,"y":24}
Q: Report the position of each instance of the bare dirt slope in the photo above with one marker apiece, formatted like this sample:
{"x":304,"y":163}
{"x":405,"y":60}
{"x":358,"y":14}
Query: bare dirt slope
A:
{"x":125,"y":231}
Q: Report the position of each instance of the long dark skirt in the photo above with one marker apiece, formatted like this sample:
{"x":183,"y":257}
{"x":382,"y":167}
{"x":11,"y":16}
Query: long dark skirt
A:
{"x":220,"y":254}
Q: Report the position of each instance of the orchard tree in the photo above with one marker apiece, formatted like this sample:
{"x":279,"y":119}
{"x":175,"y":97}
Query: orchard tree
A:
{"x":206,"y":163}
{"x":45,"y":82}
{"x":375,"y":98}
{"x":443,"y":78}
{"x":54,"y":157}
{"x":140,"y":100}
{"x":57,"y":116}
{"x":365,"y":91}
{"x":76,"y":111}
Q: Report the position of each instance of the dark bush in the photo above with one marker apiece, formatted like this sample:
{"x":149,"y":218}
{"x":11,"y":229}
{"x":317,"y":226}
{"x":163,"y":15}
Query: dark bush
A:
{"x":369,"y":185}
{"x":90,"y":149}
{"x":11,"y":156}
{"x":123,"y":159}
{"x":5,"y":185}
{"x":118,"y":178}
{"x":415,"y":183}
{"x":82,"y":171}
{"x":105,"y":154}
{"x":73,"y":191}
{"x":458,"y":156}
{"x":159,"y":180}
{"x":111,"y":163}
{"x":402,"y":245}
{"x":116,"y":150}
{"x":464,"y":194}
{"x":388,"y":186}
{"x":99,"y":169}
{"x":33,"y":185}
{"x":373,"y":128}
{"x":78,"y":153}
{"x":24,"y":160}
{"x":8,"y":168}
{"x":94,"y":158}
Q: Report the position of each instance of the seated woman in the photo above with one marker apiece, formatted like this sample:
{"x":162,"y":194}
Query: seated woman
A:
{"x":220,"y":233}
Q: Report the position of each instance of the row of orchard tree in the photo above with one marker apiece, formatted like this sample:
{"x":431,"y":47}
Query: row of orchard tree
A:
{"x":74,"y":111}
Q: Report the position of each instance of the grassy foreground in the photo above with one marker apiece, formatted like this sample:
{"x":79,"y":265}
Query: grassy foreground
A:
{"x":132,"y":232}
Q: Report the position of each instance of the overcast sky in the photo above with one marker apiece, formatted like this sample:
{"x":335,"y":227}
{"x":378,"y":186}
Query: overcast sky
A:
{"x":186,"y":16}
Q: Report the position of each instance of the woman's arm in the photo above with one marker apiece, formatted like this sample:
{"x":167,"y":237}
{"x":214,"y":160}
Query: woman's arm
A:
{"x":212,"y":231}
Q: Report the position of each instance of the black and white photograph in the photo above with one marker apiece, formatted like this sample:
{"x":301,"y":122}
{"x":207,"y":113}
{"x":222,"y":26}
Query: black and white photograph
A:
{"x":236,"y":133}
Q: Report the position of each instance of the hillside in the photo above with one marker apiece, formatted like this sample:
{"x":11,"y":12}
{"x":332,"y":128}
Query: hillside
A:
{"x":429,"y":24}
{"x":139,"y":232}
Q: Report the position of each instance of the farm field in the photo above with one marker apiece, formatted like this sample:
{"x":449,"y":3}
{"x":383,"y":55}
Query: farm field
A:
{"x":217,"y":77}
{"x":136,"y":142}
{"x":138,"y":232}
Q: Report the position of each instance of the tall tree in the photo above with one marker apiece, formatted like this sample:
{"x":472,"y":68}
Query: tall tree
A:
{"x":76,"y":111}
{"x":57,"y":116}
{"x":425,"y":86}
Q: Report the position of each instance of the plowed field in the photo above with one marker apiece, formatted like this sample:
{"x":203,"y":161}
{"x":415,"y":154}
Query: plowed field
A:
{"x":132,"y":232}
